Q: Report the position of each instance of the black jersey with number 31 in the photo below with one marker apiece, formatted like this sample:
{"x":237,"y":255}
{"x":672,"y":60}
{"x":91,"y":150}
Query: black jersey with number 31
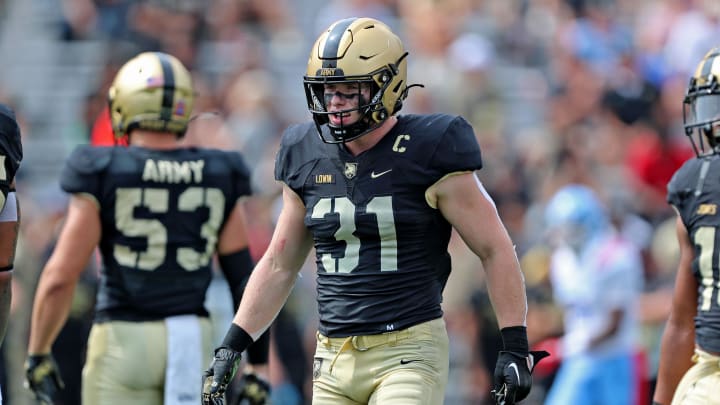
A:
{"x":381,"y":248}
{"x":161,"y":213}
{"x":695,"y":191}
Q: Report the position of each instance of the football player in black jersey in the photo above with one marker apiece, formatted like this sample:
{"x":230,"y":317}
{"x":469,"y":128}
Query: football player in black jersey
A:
{"x":689,"y":370}
{"x":10,"y":157}
{"x":159,"y":212}
{"x":377,"y":195}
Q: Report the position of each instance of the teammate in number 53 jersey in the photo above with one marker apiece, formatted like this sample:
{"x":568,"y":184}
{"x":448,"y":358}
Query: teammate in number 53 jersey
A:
{"x":377,"y":195}
{"x":159,"y":212}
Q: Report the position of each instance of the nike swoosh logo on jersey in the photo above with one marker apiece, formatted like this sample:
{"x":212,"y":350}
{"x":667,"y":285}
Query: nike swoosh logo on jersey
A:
{"x":408,"y":361}
{"x":376,"y":175}
{"x":514,"y":367}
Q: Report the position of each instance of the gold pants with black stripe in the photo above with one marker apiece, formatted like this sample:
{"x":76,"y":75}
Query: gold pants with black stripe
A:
{"x":406,"y":367}
{"x":701,"y":383}
{"x":126,"y":362}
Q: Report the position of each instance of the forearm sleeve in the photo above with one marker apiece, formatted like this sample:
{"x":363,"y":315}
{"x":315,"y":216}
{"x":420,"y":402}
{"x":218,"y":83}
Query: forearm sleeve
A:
{"x":258,"y":351}
{"x":237,"y":268}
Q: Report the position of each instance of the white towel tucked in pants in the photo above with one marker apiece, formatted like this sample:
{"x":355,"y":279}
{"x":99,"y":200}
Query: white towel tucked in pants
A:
{"x":184,"y":360}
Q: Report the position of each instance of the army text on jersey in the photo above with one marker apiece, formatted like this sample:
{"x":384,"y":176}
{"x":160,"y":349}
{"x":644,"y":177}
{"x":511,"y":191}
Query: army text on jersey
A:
{"x":162,"y":213}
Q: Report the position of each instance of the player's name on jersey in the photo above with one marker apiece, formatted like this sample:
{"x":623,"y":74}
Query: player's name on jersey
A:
{"x":170,"y":171}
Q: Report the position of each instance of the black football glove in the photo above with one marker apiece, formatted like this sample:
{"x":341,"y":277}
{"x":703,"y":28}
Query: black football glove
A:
{"x":42,"y":377}
{"x":219,"y":375}
{"x":513,"y":375}
{"x":253,"y":390}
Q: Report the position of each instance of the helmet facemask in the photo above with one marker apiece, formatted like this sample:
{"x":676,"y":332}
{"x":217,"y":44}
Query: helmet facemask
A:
{"x":370,"y":108}
{"x":701,"y":118}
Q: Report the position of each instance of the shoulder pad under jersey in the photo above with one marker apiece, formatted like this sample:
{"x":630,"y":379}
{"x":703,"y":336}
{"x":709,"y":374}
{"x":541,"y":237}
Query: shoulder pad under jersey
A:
{"x":683,"y":182}
{"x":241,"y":172}
{"x":457,"y":149}
{"x":296,"y":149}
{"x":82,"y":167}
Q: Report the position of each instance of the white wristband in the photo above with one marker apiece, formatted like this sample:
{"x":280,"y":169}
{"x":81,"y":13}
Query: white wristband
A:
{"x":9,"y":211}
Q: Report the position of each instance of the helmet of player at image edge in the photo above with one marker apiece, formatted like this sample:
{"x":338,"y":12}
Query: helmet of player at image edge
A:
{"x":701,"y":105}
{"x":152,"y":91}
{"x":357,"y":51}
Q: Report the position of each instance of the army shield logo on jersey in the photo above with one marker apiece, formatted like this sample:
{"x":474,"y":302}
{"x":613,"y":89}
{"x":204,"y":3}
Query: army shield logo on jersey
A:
{"x":350,"y":170}
{"x":317,"y":366}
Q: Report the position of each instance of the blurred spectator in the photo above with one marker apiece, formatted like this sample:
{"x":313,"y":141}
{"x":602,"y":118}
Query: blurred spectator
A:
{"x":596,"y":278}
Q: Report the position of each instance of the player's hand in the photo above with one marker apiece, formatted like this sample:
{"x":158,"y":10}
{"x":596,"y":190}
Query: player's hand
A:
{"x":513,"y":375}
{"x":42,"y":377}
{"x":254,"y":390}
{"x":219,"y":375}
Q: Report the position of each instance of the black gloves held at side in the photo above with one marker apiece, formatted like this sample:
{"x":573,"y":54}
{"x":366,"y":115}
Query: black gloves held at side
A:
{"x":513,"y":369}
{"x":513,"y":375}
{"x":42,"y":377}
{"x":219,"y":375}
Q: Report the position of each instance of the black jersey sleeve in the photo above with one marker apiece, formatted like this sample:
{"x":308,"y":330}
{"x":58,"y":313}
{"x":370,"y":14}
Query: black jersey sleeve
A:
{"x":83,"y":170}
{"x":10,"y":148}
{"x":241,"y":173}
{"x":683,"y":184}
{"x":458,"y":149}
{"x":292,"y":155}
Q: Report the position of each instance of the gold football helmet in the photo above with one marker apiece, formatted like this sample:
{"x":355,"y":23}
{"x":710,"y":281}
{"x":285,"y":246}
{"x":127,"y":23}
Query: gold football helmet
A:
{"x":152,"y":91}
{"x":701,"y":106}
{"x":357,"y":51}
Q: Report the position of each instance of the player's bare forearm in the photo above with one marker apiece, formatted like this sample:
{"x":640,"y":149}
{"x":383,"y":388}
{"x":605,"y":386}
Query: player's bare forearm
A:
{"x":5,"y":299}
{"x":265,"y":294}
{"x":9,"y":232}
{"x":675,"y":359}
{"x":276,"y":272}
{"x":465,"y":203}
{"x":678,"y":341}
{"x":76,"y":243}
{"x":50,"y":309}
{"x":506,"y":287}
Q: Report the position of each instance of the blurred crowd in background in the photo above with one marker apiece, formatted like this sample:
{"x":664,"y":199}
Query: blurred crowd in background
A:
{"x":559,"y":91}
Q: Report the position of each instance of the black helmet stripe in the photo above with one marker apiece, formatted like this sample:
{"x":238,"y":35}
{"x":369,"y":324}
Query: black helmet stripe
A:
{"x":168,"y":86}
{"x":329,"y":54}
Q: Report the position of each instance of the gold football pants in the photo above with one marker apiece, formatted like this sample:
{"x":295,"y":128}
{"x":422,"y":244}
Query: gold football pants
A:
{"x":126,"y":362}
{"x":406,"y":367}
{"x":700,"y":384}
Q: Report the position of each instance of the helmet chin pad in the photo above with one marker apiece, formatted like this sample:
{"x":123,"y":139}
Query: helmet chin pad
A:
{"x":346,"y":133}
{"x":342,"y":133}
